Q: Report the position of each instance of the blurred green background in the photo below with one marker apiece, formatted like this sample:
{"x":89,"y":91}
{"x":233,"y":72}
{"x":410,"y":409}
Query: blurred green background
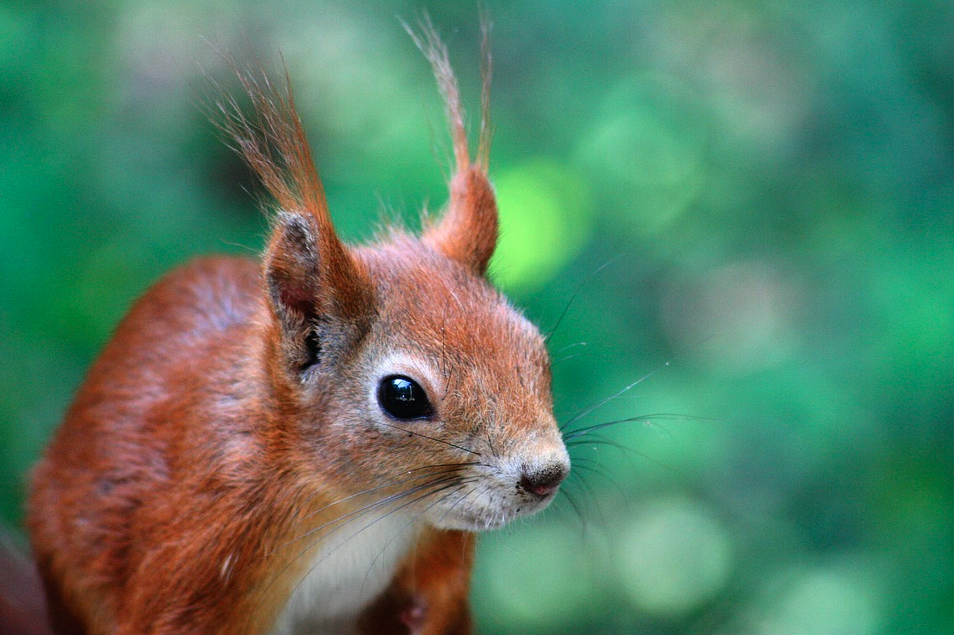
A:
{"x":768,"y":184}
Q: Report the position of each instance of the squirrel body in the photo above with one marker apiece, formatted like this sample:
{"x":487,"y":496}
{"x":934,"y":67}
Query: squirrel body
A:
{"x":306,"y":444}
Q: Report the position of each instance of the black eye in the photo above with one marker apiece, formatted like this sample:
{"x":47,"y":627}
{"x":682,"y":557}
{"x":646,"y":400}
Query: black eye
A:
{"x":403,"y":398}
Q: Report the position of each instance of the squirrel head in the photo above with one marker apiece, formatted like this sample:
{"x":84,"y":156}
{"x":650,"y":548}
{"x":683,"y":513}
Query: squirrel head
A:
{"x":403,"y":375}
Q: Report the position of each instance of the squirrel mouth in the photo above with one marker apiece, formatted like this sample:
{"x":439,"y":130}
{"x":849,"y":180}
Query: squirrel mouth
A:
{"x":485,"y":512}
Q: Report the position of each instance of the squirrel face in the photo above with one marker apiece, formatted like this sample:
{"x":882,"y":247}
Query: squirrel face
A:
{"x":442,"y":403}
{"x":454,"y":386}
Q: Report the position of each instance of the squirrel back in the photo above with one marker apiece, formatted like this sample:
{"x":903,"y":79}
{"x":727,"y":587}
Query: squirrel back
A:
{"x":309,"y":443}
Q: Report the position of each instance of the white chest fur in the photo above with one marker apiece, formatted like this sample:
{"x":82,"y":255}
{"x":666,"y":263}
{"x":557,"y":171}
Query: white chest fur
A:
{"x":349,"y":568}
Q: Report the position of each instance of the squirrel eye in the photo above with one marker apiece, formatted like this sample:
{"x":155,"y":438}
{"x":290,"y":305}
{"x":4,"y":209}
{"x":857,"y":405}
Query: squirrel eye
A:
{"x":403,"y":398}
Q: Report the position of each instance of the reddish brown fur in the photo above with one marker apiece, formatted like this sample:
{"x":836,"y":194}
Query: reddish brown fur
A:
{"x":429,"y":595}
{"x":468,"y":231}
{"x":229,"y":429}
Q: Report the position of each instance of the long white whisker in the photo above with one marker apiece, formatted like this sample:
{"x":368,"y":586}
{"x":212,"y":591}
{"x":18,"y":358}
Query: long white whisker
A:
{"x":606,"y":400}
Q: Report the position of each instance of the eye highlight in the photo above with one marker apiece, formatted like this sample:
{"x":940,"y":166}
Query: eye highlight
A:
{"x":403,"y":398}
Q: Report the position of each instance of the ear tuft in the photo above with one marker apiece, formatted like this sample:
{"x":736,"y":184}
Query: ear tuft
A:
{"x":319,"y":293}
{"x":468,"y":231}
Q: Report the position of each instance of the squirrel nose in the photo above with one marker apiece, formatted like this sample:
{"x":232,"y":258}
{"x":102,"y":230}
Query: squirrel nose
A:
{"x":543,"y":481}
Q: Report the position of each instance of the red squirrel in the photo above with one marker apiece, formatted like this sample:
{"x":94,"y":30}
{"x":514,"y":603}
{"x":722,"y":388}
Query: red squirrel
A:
{"x":307,"y":444}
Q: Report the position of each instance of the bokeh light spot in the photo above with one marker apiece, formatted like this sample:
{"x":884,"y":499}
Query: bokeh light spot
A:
{"x":544,"y":221}
{"x":823,"y":601}
{"x":536,"y":579}
{"x":647,"y":148}
{"x":674,"y":556}
{"x":740,"y":316}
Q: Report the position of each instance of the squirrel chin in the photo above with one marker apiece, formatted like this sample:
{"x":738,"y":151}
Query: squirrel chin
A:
{"x":488,"y":520}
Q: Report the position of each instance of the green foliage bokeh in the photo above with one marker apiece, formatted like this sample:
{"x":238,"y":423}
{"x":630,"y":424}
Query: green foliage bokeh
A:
{"x":747,"y":203}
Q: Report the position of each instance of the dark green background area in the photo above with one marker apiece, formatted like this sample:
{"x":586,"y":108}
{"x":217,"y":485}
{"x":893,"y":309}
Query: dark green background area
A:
{"x":753,"y":200}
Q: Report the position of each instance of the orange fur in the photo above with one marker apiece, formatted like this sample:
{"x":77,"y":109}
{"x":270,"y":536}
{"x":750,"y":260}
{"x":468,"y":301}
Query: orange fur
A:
{"x":227,"y":459}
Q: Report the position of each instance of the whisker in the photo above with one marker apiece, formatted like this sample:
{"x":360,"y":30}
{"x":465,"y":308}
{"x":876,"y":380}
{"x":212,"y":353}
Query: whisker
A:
{"x":488,"y":440}
{"x":599,"y":404}
{"x":362,"y":511}
{"x":410,"y":522}
{"x":628,"y":450}
{"x":576,"y":478}
{"x":666,"y":416}
{"x":569,"y":346}
{"x":459,"y":489}
{"x":350,"y":516}
{"x":452,"y":295}
{"x":429,"y":438}
{"x":464,"y":497}
{"x":567,"y":358}
{"x":573,"y":296}
{"x":603,"y":357}
{"x":443,"y":483}
{"x":589,"y":466}
{"x":586,"y":465}
{"x":576,"y":508}
{"x":390,"y":483}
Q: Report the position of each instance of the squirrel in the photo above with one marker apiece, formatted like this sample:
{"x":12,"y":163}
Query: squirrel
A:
{"x":308,"y":444}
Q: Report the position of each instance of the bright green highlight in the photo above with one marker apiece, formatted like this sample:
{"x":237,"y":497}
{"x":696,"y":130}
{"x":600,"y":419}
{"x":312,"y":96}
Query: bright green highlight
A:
{"x":545,"y":216}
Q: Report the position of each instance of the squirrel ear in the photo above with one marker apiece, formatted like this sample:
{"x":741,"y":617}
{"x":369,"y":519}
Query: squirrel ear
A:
{"x":316,"y":290}
{"x":468,"y":231}
{"x":312,"y":278}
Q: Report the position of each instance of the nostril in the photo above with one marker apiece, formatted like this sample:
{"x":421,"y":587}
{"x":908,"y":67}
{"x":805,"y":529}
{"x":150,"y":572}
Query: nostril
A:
{"x":542,"y":482}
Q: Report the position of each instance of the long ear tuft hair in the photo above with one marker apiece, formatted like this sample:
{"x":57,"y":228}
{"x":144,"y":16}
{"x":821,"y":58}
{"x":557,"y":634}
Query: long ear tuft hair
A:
{"x":468,"y":231}
{"x":310,"y":273}
{"x":274,"y":144}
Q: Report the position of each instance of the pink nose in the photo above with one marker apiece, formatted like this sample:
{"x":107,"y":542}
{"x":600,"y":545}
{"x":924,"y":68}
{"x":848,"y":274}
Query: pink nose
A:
{"x":543,"y":482}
